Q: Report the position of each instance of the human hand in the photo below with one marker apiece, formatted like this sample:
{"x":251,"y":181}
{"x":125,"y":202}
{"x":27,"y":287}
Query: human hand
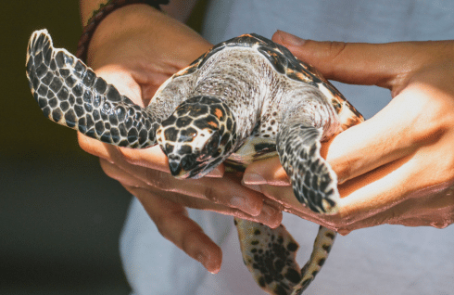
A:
{"x":397,"y":167}
{"x":137,"y":48}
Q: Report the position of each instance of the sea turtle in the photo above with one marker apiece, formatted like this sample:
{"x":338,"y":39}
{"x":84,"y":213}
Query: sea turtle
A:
{"x":247,"y":98}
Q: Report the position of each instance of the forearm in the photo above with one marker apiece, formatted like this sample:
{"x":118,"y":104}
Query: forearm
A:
{"x":166,"y":35}
{"x":178,"y":9}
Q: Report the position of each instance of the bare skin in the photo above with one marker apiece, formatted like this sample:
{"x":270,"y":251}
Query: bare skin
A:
{"x":397,"y":167}
{"x":390,"y":166}
{"x":137,"y":48}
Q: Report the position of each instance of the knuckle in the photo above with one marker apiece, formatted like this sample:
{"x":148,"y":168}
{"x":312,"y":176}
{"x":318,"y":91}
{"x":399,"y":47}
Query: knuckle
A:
{"x":444,"y":175}
{"x":449,"y":180}
{"x":344,"y":170}
{"x":189,"y":239}
{"x":83,"y":142}
{"x":163,"y":232}
{"x":157,"y":179}
{"x":428,"y":124}
{"x":450,"y":168}
{"x":162,"y":225}
{"x":210,"y":194}
{"x":336,"y":49}
{"x":105,"y":167}
{"x":128,"y":155}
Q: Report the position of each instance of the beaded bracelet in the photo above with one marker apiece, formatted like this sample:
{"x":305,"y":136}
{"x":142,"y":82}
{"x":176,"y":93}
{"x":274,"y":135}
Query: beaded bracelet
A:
{"x":103,"y":11}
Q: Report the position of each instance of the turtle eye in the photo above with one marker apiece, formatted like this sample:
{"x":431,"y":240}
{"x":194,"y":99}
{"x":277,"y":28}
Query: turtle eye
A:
{"x":212,"y":145}
{"x":337,"y":106}
{"x":187,"y":135}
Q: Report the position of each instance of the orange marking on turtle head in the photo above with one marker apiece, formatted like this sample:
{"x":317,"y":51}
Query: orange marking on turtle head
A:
{"x":218,"y":113}
{"x":213,"y":124}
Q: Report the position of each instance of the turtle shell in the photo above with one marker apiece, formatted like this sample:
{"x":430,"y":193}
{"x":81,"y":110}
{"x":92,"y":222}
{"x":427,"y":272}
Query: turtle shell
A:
{"x":284,"y":62}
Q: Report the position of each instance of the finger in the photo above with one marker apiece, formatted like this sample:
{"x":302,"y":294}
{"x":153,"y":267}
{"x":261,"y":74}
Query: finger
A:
{"x":373,"y":198}
{"x":285,"y":197}
{"x":416,"y":176}
{"x":173,"y":223}
{"x":122,"y":78}
{"x":436,"y":210}
{"x":121,"y":176}
{"x":361,"y":63}
{"x":152,"y":157}
{"x":225,"y":191}
{"x":270,"y":215}
{"x":268,"y":171}
{"x":95,"y":147}
{"x":390,"y":135}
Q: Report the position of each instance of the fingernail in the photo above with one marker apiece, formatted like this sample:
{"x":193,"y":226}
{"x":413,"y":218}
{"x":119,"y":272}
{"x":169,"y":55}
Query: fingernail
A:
{"x":242,"y":204}
{"x":271,"y":215}
{"x":211,"y":265}
{"x":252,"y":178}
{"x":343,"y":232}
{"x":290,"y":39}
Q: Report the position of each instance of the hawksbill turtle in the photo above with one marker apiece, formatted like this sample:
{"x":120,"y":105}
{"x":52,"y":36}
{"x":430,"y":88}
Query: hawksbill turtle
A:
{"x":246,"y":99}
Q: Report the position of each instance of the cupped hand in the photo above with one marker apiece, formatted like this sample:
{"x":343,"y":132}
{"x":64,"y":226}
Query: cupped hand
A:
{"x":136,"y":48}
{"x":397,"y":167}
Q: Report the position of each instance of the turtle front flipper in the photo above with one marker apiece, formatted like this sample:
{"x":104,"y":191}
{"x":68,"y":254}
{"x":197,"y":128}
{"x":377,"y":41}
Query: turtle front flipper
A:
{"x":70,"y":93}
{"x":314,"y":182}
{"x":269,"y":254}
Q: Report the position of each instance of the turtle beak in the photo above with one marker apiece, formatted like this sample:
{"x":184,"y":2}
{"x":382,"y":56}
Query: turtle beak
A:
{"x":175,"y":168}
{"x":183,"y":167}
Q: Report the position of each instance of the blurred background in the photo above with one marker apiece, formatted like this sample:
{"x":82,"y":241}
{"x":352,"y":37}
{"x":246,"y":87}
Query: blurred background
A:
{"x":60,"y":216}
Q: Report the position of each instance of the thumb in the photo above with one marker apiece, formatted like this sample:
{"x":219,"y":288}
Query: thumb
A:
{"x":354,"y":63}
{"x":123,"y":80}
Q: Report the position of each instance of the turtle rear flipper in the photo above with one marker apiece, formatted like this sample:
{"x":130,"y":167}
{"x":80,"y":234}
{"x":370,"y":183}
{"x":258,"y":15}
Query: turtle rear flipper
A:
{"x":322,"y":246}
{"x":69,"y":93}
{"x":269,"y":254}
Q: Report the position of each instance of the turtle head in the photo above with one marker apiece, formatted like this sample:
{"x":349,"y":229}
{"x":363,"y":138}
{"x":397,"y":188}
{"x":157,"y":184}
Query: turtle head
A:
{"x":198,"y":136}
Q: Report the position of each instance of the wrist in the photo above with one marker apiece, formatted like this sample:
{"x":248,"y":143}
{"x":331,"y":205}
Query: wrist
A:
{"x":120,"y":24}
{"x":96,"y":8}
{"x":99,"y":15}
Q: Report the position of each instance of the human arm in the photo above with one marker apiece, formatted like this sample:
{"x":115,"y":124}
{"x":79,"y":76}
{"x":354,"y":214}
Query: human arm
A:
{"x":397,"y":167}
{"x":137,"y":48}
